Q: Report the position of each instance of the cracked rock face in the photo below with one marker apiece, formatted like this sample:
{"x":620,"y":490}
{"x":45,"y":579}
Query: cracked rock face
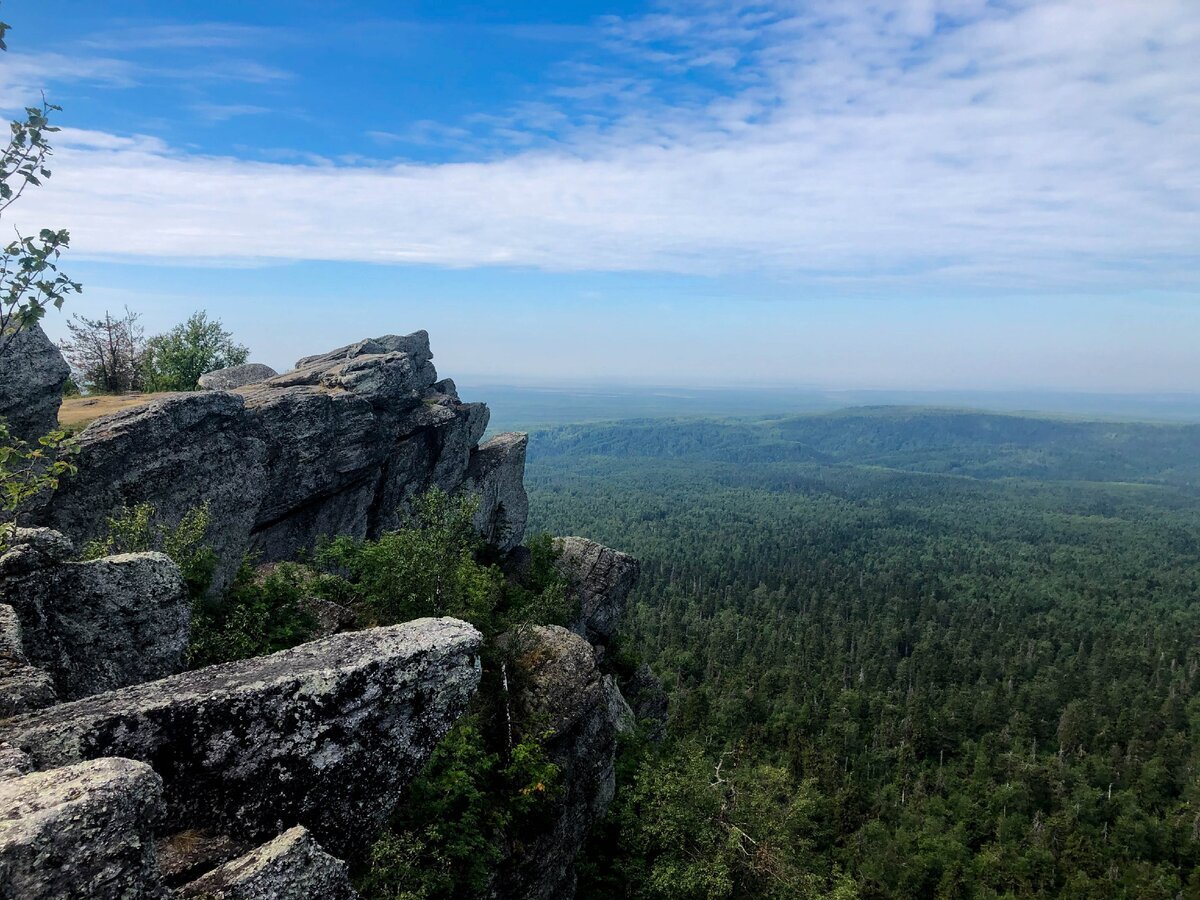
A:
{"x":32,"y":375}
{"x":339,"y":445}
{"x":92,"y":626}
{"x":601,"y":578}
{"x":291,"y":867}
{"x":323,"y":735}
{"x":80,"y":831}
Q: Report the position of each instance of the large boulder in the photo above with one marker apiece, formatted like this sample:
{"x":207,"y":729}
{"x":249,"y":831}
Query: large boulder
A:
{"x":236,"y":376}
{"x":339,"y":445}
{"x":291,"y":867}
{"x":560,"y":689}
{"x":601,"y":579}
{"x":99,"y":625}
{"x":324,"y":735}
{"x":80,"y":831}
{"x":32,"y":375}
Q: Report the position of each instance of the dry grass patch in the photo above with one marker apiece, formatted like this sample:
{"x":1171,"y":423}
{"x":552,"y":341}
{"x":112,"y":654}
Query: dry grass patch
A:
{"x":77,"y":412}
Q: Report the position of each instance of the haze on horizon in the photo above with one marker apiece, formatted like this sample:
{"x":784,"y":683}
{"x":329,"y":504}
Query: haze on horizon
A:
{"x":896,"y":194}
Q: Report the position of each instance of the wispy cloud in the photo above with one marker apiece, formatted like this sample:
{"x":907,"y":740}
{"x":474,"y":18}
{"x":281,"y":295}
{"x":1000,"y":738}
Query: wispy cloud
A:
{"x":959,"y":143}
{"x":198,"y":35}
{"x":223,"y":112}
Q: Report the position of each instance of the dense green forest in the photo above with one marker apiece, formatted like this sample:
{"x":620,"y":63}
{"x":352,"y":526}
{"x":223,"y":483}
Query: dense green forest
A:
{"x":912,"y":653}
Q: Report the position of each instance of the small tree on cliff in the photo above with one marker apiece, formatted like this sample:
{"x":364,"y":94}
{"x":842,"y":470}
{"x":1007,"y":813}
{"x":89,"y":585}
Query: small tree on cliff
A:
{"x":106,"y":354}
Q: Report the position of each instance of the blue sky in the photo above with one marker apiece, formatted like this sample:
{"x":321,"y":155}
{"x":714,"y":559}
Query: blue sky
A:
{"x":893,"y":193}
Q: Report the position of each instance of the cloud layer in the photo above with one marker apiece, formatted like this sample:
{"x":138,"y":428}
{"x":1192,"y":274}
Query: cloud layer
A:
{"x":954,"y":144}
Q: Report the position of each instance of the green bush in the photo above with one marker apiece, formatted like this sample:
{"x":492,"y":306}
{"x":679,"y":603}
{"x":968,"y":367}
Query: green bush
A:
{"x":26,"y":472}
{"x":137,"y":529}
{"x":445,"y":839}
{"x":261,"y":613}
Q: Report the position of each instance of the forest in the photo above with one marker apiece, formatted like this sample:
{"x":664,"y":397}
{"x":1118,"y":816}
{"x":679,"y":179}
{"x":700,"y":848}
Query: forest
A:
{"x":911,"y":653}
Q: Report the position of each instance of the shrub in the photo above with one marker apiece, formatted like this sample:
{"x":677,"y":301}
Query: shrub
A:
{"x":136,"y":529}
{"x":445,"y":839}
{"x":26,"y":472}
{"x":426,"y":568}
{"x":261,"y":613}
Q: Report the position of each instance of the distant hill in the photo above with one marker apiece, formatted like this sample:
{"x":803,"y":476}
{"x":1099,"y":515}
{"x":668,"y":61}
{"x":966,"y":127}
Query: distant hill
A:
{"x":954,"y":442}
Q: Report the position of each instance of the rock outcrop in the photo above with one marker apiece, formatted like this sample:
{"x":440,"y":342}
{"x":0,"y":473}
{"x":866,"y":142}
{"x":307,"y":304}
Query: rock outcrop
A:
{"x":80,"y":831}
{"x":496,"y":475}
{"x":601,"y":578}
{"x":562,"y":690}
{"x":32,"y":375}
{"x":340,"y":445}
{"x":291,"y":867}
{"x":236,"y":377}
{"x":323,"y":735}
{"x":22,"y":687}
{"x":92,"y":626}
{"x":250,"y":779}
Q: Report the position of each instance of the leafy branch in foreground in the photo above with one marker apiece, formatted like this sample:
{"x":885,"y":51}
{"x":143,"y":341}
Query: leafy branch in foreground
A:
{"x":30,"y":282}
{"x":26,"y":472}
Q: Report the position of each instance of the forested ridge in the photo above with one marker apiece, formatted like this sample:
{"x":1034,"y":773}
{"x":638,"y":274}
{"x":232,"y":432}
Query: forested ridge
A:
{"x":934,"y":653}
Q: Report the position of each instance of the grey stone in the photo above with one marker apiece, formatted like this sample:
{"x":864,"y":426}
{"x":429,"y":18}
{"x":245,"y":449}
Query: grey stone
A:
{"x":496,"y":475}
{"x":340,"y":445}
{"x":13,"y":762}
{"x":236,"y":377}
{"x":83,"y":831}
{"x":563,"y":690}
{"x":619,"y":710}
{"x":22,"y":687}
{"x":415,"y":344}
{"x":330,"y":617}
{"x":177,"y":453}
{"x":323,"y":735}
{"x":186,"y":855}
{"x":32,"y":375}
{"x":99,"y":625}
{"x":290,"y":867}
{"x":601,"y":578}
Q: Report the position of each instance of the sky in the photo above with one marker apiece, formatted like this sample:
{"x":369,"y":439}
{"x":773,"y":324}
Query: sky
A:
{"x":918,"y":194}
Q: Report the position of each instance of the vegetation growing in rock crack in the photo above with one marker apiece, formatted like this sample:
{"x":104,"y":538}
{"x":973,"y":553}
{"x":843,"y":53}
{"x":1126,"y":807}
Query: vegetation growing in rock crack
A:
{"x":29,"y":472}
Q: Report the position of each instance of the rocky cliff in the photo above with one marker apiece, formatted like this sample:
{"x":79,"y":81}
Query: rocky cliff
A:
{"x":123,"y":776}
{"x":337,"y":446}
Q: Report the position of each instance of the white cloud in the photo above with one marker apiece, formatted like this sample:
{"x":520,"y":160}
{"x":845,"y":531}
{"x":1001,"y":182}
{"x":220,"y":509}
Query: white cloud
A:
{"x":960,"y":143}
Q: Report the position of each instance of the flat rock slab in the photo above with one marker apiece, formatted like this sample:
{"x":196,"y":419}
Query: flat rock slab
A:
{"x":80,"y":831}
{"x":291,"y":867}
{"x":323,"y":735}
